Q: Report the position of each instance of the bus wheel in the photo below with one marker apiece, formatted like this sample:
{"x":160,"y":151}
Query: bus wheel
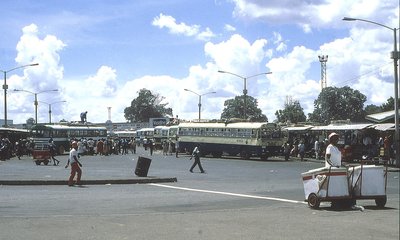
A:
{"x":61,"y":150}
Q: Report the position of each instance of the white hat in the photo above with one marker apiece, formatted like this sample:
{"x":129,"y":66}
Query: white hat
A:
{"x":332,"y":134}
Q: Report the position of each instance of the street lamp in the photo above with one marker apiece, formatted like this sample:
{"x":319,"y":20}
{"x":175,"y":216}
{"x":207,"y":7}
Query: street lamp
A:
{"x":5,"y":87}
{"x":36,"y":101}
{"x":50,"y":107}
{"x":395,"y":57}
{"x":199,"y":99}
{"x":244,"y":87}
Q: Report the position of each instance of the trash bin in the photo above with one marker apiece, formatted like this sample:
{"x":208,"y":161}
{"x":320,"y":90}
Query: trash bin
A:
{"x":142,"y":166}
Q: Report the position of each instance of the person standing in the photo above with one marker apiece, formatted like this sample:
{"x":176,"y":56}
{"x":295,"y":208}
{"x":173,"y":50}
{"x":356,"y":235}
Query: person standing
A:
{"x":316,"y":149}
{"x":302,"y":150}
{"x":333,"y":156}
{"x":196,"y":155}
{"x":75,"y":165}
{"x":53,"y":152}
{"x":286,"y":151}
{"x":151,"y":145}
{"x":177,"y":147}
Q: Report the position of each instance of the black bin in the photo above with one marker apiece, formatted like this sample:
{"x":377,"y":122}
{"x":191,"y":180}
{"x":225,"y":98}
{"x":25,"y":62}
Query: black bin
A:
{"x":142,"y":166}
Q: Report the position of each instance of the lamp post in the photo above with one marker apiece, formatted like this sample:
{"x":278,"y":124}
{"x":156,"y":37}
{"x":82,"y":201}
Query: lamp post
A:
{"x":49,"y":104}
{"x":200,"y":95}
{"x":5,"y":87}
{"x":395,"y":57}
{"x":244,"y":87}
{"x":36,"y":101}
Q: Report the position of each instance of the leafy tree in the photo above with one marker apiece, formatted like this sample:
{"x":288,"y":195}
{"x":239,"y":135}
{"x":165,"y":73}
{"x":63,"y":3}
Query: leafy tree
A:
{"x":234,"y":108}
{"x":338,"y":104}
{"x":30,"y":121}
{"x":389,"y":105}
{"x":147,"y":105}
{"x":371,"y":109}
{"x":292,"y":112}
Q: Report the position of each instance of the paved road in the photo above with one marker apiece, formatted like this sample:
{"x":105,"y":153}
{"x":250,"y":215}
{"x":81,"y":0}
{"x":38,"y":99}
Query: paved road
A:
{"x":235,"y":199}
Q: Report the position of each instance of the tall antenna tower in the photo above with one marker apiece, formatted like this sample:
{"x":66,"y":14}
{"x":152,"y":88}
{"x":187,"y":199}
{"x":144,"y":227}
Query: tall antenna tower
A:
{"x":109,"y":113}
{"x":323,"y":59}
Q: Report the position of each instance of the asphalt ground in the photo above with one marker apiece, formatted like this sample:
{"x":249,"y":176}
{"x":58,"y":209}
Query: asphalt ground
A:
{"x":96,"y":169}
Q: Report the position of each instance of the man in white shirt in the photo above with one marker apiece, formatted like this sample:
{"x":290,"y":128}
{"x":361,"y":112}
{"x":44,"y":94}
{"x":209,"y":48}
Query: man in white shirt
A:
{"x":75,"y":165}
{"x":333,"y":156}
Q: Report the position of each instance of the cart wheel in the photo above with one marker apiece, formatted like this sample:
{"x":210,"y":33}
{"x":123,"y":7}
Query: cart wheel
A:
{"x":46,"y":162}
{"x":313,"y":201}
{"x":381,"y":202}
{"x":37,"y":162}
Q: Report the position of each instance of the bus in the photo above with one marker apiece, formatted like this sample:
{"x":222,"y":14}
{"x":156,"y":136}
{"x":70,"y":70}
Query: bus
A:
{"x":160,"y":135}
{"x":62,"y":134}
{"x":143,"y":136}
{"x":125,"y":134}
{"x":246,"y":139}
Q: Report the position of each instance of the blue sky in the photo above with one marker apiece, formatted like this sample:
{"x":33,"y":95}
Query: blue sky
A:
{"x":100,"y":53}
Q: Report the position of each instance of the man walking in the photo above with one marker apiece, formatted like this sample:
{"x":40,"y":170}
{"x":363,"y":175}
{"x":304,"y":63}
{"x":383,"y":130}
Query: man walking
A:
{"x":75,"y":165}
{"x":196,"y":155}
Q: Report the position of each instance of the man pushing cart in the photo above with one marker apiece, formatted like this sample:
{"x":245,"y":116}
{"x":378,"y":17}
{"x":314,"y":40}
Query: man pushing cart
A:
{"x":342,"y":186}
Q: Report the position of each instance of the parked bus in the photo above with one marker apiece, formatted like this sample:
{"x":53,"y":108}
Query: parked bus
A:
{"x":160,"y":135}
{"x":144,"y":135}
{"x":62,"y":134}
{"x":245,"y":139}
{"x":125,"y":134}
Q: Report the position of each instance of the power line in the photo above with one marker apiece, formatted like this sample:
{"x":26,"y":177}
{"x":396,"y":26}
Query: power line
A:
{"x":372,"y":72}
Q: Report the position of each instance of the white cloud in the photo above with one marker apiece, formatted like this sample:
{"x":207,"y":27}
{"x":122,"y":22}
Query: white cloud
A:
{"x":103,"y":84}
{"x":229,"y":28}
{"x":314,"y":13}
{"x":169,"y":22}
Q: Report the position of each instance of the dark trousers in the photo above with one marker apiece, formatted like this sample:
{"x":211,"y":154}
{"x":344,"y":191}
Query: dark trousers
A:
{"x":197,"y":162}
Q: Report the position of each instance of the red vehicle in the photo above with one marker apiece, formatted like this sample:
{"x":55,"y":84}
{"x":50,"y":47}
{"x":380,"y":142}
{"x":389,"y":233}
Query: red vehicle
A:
{"x":41,"y":154}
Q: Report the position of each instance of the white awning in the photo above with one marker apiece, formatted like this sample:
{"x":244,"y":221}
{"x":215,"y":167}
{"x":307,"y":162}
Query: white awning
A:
{"x":383,"y":126}
{"x":302,"y":128}
{"x":342,"y":127}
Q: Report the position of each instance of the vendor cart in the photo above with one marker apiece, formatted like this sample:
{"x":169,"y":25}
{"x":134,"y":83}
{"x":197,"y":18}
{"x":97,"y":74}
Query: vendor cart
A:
{"x":41,"y":154}
{"x":369,"y":182}
{"x":330,"y":184}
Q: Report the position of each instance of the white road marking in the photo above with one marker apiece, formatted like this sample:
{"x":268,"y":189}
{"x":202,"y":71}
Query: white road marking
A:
{"x":228,"y":193}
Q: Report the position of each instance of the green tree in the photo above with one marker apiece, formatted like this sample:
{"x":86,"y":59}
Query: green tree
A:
{"x":147,"y":105}
{"x":371,"y":109}
{"x":292,"y":112}
{"x":234,"y":108}
{"x":389,"y":105}
{"x":30,"y":121}
{"x":338,"y":104}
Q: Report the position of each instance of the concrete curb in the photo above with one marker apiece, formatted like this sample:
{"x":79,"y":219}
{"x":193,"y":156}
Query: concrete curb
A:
{"x":88,"y":182}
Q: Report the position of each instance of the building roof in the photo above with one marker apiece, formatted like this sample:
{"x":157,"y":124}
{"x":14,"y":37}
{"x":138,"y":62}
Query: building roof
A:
{"x":381,"y":117}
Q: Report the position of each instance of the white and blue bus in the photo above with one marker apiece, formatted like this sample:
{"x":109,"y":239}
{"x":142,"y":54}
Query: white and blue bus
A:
{"x":246,"y":139}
